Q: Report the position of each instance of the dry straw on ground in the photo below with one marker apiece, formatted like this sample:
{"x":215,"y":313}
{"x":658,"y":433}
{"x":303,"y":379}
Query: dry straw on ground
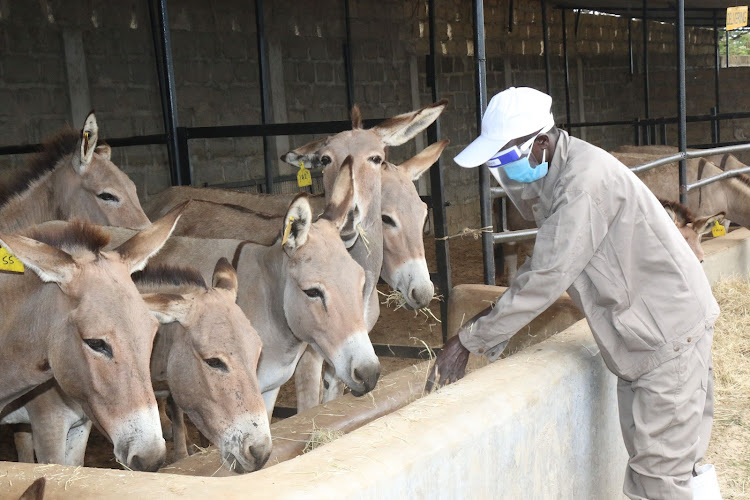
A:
{"x":729,"y":449}
{"x":319,"y":437}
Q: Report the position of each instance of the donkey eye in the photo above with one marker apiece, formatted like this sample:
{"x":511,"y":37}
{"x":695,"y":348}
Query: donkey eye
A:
{"x":388,"y":220}
{"x":314,"y":293}
{"x":377,"y":160}
{"x":325,"y":160}
{"x":100,"y":346}
{"x":217,"y":364}
{"x":108,"y":197}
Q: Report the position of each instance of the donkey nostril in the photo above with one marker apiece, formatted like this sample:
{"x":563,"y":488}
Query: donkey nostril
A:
{"x":136,"y":463}
{"x":358,"y":377}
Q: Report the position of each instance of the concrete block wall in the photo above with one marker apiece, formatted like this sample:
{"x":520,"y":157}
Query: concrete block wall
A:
{"x":217,"y":80}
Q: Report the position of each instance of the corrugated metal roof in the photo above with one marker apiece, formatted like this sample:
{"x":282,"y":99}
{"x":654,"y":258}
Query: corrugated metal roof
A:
{"x":697,"y":13}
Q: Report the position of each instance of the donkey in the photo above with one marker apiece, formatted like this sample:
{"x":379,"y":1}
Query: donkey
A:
{"x":303,"y":289}
{"x":76,"y":316}
{"x":692,"y":229}
{"x":72,"y":177}
{"x":403,"y":215}
{"x":206,"y":351}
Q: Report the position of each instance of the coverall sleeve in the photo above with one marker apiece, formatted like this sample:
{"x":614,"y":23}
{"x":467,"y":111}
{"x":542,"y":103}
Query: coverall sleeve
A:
{"x":565,"y":244}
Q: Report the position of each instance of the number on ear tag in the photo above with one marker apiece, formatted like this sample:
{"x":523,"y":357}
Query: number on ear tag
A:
{"x":718,"y":230}
{"x":9,"y":263}
{"x":303,"y":176}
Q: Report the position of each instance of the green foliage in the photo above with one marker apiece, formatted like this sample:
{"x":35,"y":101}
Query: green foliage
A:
{"x":739,"y":42}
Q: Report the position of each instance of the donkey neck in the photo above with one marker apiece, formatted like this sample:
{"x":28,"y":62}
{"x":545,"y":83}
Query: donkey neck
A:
{"x":32,"y":314}
{"x":737,"y":194}
{"x":367,"y":251}
{"x":263,"y":270}
{"x":36,"y":204}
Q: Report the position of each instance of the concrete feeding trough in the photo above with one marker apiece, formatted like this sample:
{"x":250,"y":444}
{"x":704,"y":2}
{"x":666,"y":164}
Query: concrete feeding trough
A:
{"x":540,"y":423}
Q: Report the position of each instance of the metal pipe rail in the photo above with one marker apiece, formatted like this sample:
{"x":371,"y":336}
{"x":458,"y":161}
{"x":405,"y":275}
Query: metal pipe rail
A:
{"x":688,"y":155}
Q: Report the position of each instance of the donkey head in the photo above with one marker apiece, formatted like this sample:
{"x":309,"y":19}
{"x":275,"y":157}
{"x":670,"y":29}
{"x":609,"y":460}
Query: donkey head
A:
{"x":367,"y":147}
{"x":100,"y":343}
{"x":95,"y":189}
{"x":403,"y":216}
{"x":212,"y":365}
{"x":690,"y":228}
{"x":323,"y":292}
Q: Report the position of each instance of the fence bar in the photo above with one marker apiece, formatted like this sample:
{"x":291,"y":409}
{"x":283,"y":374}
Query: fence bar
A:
{"x":348,"y":57}
{"x":724,"y":175}
{"x":691,"y":154}
{"x":513,"y":236}
{"x":646,"y":89}
{"x":437,"y":188}
{"x":179,"y":174}
{"x":567,"y":71}
{"x":681,"y":104}
{"x":717,"y":63}
{"x":265,"y":104}
{"x":480,"y":92}
{"x":545,"y":41}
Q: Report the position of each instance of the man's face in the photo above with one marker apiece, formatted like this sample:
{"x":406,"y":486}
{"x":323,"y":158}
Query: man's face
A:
{"x":538,"y":146}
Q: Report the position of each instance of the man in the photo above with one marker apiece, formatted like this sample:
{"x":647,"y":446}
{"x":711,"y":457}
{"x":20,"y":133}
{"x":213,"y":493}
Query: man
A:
{"x":607,"y":240}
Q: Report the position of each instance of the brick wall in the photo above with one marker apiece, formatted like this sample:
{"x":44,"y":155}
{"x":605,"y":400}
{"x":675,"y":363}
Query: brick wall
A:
{"x":217,"y":83}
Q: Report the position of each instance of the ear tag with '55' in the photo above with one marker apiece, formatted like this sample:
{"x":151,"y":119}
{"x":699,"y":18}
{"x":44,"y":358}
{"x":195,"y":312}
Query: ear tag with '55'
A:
{"x":718,"y":230}
{"x":9,"y":263}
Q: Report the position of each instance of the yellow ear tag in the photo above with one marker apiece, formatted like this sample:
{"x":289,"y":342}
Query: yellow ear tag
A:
{"x":287,"y":230}
{"x":718,"y":230}
{"x":9,"y":263}
{"x":303,"y":176}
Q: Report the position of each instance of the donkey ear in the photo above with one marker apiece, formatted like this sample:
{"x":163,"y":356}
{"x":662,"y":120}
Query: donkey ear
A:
{"x":89,"y":136}
{"x":671,"y":213}
{"x":704,"y":224}
{"x":168,"y":307}
{"x":356,"y":118}
{"x":297,"y":223}
{"x":307,"y":154}
{"x":51,"y":264}
{"x":35,"y":491}
{"x":419,"y":164}
{"x":225,"y":277}
{"x":342,"y":195}
{"x":104,"y":150}
{"x":142,"y":246}
{"x":399,"y":129}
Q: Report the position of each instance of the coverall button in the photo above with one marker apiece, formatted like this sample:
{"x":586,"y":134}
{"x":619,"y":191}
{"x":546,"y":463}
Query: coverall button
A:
{"x":676,"y":348}
{"x":481,"y":350}
{"x":689,"y":339}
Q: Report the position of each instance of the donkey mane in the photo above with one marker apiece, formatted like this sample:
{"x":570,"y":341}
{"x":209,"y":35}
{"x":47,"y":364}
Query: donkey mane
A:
{"x":744,"y":178}
{"x":76,"y":234}
{"x":240,"y":208}
{"x":682,"y":212}
{"x":161,"y":274}
{"x":52,"y":150}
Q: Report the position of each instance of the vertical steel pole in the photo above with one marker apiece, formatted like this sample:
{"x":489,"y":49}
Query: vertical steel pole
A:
{"x":681,"y":109}
{"x":179,"y":173}
{"x":265,"y":103}
{"x":437,"y":187}
{"x":717,"y":63}
{"x":545,"y":41}
{"x":630,"y":47}
{"x":480,"y":88}
{"x":726,"y":38}
{"x":348,"y":57}
{"x":567,"y":71}
{"x":646,"y":90}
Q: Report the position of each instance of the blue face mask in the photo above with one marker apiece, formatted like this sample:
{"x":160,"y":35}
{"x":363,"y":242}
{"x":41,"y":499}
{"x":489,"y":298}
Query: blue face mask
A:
{"x":517,"y":168}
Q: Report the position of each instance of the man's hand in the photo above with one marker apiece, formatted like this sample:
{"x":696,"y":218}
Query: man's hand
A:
{"x":450,"y":364}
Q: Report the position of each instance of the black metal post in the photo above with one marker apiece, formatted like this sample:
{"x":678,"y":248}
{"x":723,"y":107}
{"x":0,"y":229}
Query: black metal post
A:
{"x":567,"y":71}
{"x":437,"y":188}
{"x":265,"y":105}
{"x":681,"y":105}
{"x":510,"y":16}
{"x":646,"y":90}
{"x":545,"y":40}
{"x":717,"y":63}
{"x":349,"y":68}
{"x":480,"y":92}
{"x":630,"y":47}
{"x":179,"y":173}
{"x":726,"y":38}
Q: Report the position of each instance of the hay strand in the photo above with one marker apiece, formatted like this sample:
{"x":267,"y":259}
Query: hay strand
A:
{"x":321,"y":436}
{"x":467,"y":231}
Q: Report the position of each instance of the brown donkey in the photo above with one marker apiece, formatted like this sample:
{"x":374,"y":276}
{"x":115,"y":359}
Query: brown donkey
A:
{"x":206,"y":351}
{"x":72,"y":177}
{"x":76,"y":315}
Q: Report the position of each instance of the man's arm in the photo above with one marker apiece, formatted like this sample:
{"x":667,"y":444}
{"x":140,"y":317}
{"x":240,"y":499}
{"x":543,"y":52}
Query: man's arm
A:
{"x":564,"y":246}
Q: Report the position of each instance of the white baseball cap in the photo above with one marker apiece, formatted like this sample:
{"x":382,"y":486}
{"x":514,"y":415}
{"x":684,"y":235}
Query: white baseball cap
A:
{"x":515,"y":112}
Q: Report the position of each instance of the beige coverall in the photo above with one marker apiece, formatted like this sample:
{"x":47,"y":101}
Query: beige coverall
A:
{"x":606,"y":239}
